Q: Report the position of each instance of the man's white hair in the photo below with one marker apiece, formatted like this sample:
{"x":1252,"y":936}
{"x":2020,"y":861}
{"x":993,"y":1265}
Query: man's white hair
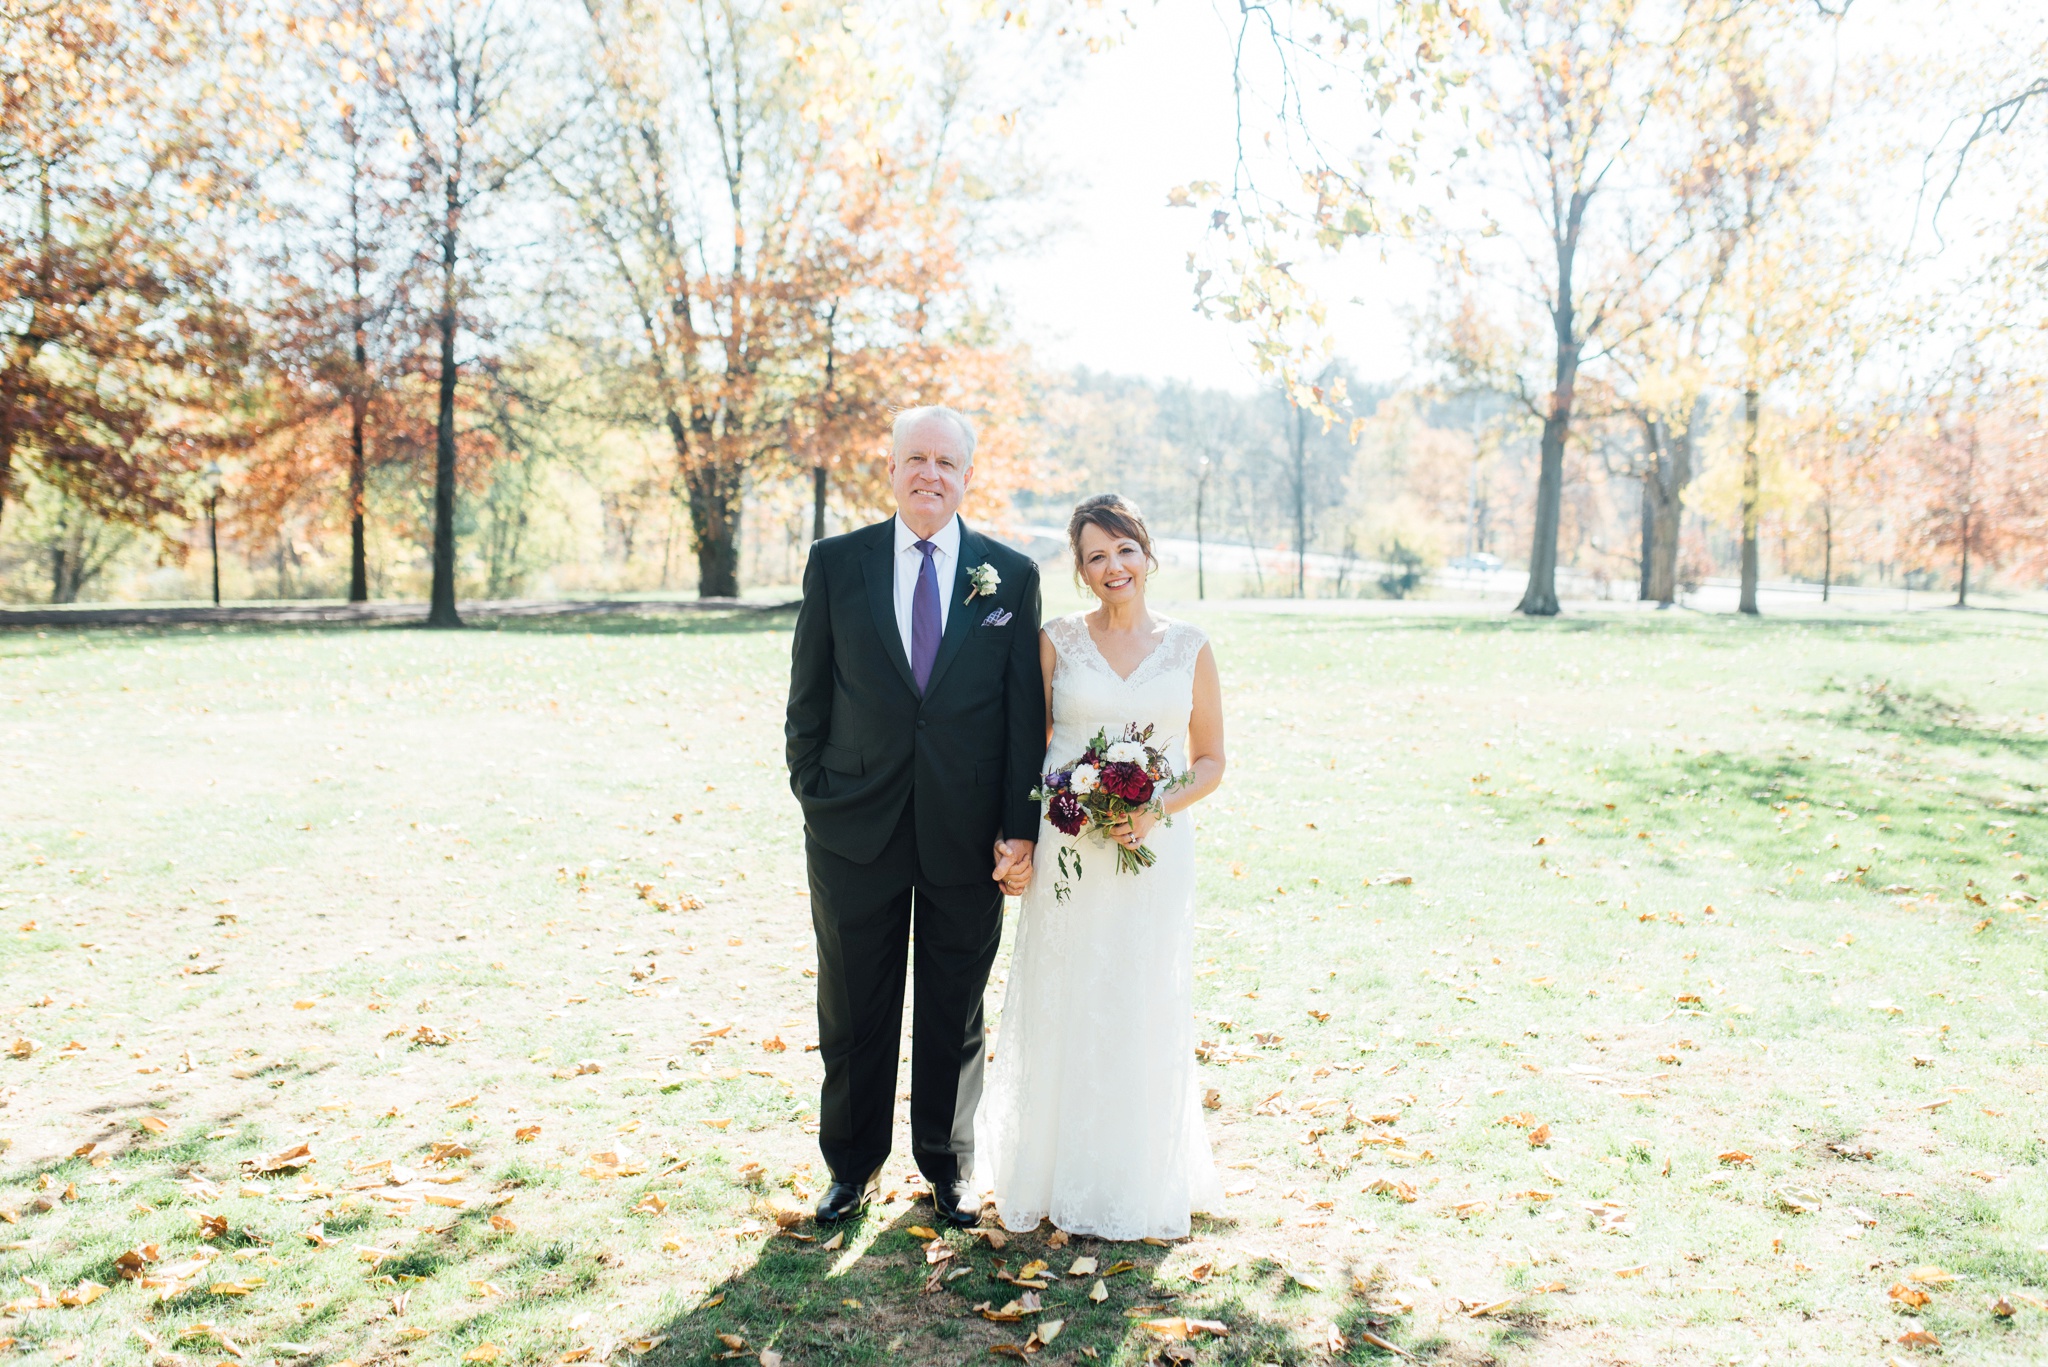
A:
{"x":908,"y":418}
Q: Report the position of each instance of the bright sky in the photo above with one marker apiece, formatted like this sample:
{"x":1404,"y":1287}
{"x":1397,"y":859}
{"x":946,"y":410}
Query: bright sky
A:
{"x":1111,"y":290}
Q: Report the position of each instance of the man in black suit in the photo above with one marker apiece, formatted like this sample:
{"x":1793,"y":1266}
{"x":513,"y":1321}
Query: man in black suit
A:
{"x":916,"y":727}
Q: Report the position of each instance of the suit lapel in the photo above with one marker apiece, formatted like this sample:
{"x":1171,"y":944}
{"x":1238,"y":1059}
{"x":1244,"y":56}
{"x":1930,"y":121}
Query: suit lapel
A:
{"x":878,"y":563}
{"x":959,"y":614}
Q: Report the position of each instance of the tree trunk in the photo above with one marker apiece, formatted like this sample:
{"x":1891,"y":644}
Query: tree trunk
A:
{"x":1752,"y":496}
{"x":57,"y":558}
{"x":1671,"y":471}
{"x":1300,"y":504}
{"x":1539,"y":599}
{"x":358,"y":553}
{"x":441,"y":609}
{"x":715,"y":499}
{"x":1963,"y":579}
{"x":1969,"y":505}
{"x":1827,"y":551}
{"x":1646,"y":523}
{"x":818,"y":475}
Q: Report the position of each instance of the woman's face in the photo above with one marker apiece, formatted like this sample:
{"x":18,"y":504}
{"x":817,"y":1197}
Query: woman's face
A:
{"x":1114,"y":567}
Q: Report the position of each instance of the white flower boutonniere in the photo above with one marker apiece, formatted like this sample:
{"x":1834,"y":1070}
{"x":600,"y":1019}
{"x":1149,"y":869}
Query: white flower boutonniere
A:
{"x":984,"y":579}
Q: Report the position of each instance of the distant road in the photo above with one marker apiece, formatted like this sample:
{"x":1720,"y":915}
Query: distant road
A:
{"x":1713,"y":595}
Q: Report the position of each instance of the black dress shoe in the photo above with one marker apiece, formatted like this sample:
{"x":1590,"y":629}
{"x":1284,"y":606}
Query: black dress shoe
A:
{"x":957,"y":1203}
{"x":847,"y":1201}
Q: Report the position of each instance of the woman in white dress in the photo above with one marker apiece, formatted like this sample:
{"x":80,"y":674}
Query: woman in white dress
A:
{"x":1092,"y":1115}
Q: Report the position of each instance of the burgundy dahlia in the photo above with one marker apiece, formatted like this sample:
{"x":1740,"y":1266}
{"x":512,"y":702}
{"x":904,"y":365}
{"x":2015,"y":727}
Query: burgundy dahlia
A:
{"x":1064,"y":811}
{"x":1127,"y":781}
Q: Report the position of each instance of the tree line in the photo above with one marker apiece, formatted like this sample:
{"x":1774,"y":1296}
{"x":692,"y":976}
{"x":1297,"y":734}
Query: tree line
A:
{"x":376,"y":272}
{"x":263,"y":262}
{"x":1662,"y":224}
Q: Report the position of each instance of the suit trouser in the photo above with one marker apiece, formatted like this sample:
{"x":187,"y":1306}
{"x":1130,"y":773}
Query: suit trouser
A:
{"x":863,"y":914}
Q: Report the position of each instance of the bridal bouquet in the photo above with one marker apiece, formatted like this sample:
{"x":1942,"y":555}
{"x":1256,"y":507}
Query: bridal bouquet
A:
{"x":1111,"y":779}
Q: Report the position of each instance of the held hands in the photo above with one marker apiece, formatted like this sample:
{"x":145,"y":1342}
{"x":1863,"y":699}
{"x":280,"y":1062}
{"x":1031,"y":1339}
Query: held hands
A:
{"x":1013,"y":866}
{"x":1130,"y":830}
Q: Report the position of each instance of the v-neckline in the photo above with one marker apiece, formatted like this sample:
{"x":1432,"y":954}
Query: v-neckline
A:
{"x":1146,"y":659}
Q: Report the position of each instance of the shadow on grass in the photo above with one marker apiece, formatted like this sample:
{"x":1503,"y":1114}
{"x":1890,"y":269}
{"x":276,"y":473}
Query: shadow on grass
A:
{"x":626,"y":618}
{"x":1712,"y":629}
{"x":1892,"y":709}
{"x":878,"y":1300}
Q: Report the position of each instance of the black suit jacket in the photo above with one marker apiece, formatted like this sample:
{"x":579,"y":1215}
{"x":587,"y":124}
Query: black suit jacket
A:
{"x":861,"y":742}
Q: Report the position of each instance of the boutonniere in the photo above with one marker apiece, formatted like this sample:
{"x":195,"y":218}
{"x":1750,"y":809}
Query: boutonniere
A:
{"x":984,"y":579}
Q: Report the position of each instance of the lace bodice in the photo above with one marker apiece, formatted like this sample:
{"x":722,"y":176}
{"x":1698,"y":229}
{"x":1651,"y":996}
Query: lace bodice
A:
{"x":1088,"y":696}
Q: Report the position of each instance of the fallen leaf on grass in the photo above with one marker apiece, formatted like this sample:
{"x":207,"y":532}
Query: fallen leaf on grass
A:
{"x":920,"y":1232}
{"x":1735,"y":1157}
{"x":1099,"y":1292}
{"x":483,"y":1352}
{"x":1082,"y":1267}
{"x":1798,"y":1201}
{"x":1930,"y":1276}
{"x":834,"y":1243}
{"x":1919,"y":1338}
{"x":286,"y":1160}
{"x":1539,"y":1137}
{"x":504,"y":1224}
{"x":85,"y":1293}
{"x":1368,"y":1337}
{"x":131,"y":1263}
{"x":1179,"y":1327}
{"x":1638,"y":1270}
{"x":1908,"y":1295}
{"x":155,"y":1124}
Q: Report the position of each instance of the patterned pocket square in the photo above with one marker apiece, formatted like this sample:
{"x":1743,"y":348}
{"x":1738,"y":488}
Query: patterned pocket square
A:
{"x":999,"y":618}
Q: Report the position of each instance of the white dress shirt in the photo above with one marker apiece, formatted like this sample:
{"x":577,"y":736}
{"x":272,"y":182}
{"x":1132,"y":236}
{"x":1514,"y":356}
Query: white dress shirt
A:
{"x":909,"y":559}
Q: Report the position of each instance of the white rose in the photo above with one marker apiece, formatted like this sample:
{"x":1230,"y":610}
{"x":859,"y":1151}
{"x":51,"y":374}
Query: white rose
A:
{"x":1084,"y":780}
{"x":1127,"y":752}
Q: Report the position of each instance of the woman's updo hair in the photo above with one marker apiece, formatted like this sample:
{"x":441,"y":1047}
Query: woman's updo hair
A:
{"x":1114,"y":514}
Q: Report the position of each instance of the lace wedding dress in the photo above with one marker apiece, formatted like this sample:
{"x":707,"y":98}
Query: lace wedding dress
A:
{"x":1091,"y":1114}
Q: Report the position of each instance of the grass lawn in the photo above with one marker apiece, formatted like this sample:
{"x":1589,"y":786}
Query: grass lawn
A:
{"x":1628,"y":988}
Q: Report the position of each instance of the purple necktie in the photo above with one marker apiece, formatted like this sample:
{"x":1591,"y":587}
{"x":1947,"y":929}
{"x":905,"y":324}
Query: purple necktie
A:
{"x":924,"y":618}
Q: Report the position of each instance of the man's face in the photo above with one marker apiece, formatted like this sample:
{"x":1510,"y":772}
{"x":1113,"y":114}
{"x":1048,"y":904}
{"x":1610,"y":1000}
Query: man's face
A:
{"x":929,"y":474}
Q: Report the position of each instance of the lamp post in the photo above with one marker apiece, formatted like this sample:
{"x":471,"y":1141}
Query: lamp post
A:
{"x":1201,"y":486}
{"x":210,"y":481}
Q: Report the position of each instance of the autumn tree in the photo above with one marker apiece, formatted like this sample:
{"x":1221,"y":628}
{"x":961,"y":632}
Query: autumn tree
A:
{"x":341,"y":335}
{"x":782,"y":226}
{"x":125,"y":146}
{"x":1975,"y":490}
{"x":465,"y":77}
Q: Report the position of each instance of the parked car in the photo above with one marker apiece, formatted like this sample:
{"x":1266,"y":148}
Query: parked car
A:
{"x":1477,"y":562}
